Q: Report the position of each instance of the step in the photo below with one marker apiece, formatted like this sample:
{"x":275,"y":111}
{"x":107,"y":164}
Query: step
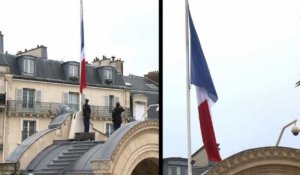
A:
{"x":68,"y":157}
{"x":73,"y":153}
{"x":64,"y":160}
{"x":88,"y":144}
{"x":79,"y":150}
{"x":86,"y":147}
{"x":47,"y":172}
{"x":59,"y":164}
{"x":56,"y":169}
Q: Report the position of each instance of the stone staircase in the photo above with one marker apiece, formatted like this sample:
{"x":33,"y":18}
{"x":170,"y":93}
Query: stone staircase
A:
{"x":66,"y":159}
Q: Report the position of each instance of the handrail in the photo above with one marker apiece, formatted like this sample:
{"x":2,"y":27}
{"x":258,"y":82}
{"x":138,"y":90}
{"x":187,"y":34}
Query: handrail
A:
{"x":98,"y":130}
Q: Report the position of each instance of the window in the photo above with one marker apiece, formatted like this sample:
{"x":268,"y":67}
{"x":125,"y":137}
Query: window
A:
{"x":28,"y":98}
{"x":28,"y":68}
{"x":109,"y":129}
{"x":172,"y":170}
{"x":73,"y":71}
{"x":29,"y":128}
{"x":177,"y":170}
{"x":108,"y":74}
{"x":73,"y":100}
{"x":183,"y":171}
{"x":110,"y":102}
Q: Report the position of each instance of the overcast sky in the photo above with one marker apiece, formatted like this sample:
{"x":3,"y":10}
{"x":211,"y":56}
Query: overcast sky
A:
{"x":252,"y":50}
{"x":125,"y":29}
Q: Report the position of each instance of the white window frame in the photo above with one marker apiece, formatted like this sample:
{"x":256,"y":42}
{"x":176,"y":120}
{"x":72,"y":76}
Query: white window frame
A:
{"x":28,"y":66}
{"x":66,"y":100}
{"x":21,"y":126}
{"x":108,"y":74}
{"x":73,"y":70}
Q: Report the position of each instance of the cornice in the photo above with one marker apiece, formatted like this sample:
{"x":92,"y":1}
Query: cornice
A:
{"x":146,"y":125}
{"x":257,"y":157}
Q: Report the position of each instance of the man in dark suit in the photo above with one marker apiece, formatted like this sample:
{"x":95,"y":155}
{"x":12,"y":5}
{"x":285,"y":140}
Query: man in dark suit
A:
{"x":116,"y":116}
{"x":86,"y":109}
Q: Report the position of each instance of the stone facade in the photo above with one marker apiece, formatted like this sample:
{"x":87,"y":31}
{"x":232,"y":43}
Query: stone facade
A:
{"x":137,"y":148}
{"x":260,"y":161}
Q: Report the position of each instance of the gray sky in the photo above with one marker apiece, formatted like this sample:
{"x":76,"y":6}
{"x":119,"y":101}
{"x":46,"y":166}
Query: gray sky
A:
{"x":125,"y":29}
{"x":252,"y":50}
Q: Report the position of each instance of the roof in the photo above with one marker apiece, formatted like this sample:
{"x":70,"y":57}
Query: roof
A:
{"x":53,"y":71}
{"x":143,"y":85}
{"x":140,"y":83}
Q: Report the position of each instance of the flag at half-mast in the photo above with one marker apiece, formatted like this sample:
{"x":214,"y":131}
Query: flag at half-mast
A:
{"x":206,"y":93}
{"x":82,"y":61}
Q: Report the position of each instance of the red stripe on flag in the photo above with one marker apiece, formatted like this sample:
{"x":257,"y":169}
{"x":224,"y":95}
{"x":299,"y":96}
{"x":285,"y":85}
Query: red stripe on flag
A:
{"x":208,"y":134}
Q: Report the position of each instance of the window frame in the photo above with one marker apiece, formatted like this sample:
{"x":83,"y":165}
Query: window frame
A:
{"x":108,"y":74}
{"x":29,"y":66}
{"x":73,"y":71}
{"x":22,"y":127}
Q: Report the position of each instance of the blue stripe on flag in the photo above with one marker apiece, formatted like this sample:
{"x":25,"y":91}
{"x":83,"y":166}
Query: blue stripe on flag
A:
{"x":200,"y":75}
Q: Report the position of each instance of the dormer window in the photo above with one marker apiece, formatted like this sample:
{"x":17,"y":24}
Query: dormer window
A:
{"x":108,"y":76}
{"x":28,"y":68}
{"x":73,"y":72}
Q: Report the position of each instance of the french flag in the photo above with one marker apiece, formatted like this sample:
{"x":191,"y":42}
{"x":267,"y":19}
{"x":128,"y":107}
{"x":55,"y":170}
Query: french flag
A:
{"x":206,"y":94}
{"x":82,"y":62}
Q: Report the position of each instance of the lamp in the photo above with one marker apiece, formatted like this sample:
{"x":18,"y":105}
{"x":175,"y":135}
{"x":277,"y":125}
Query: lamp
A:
{"x":144,"y":115}
{"x":295,"y":130}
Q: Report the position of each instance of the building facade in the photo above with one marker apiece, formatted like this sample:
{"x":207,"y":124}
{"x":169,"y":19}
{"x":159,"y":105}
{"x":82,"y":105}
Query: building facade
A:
{"x":34,"y":88}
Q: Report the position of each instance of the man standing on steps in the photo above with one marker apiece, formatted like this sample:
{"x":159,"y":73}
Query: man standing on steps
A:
{"x":86,"y":115}
{"x":116,"y":116}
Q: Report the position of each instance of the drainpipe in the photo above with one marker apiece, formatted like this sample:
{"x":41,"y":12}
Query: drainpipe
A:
{"x":4,"y":121}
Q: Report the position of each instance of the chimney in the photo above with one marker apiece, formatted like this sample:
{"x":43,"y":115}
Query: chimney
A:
{"x":154,"y":76}
{"x":40,"y":52}
{"x":104,"y":62}
{"x":118,"y":64}
{"x":1,"y":43}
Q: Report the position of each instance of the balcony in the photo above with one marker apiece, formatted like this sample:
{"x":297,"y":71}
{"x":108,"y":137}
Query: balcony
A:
{"x":49,"y":108}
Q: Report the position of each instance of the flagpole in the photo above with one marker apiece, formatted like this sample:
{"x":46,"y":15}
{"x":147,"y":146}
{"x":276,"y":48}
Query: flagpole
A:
{"x":80,"y":95}
{"x":188,"y":88}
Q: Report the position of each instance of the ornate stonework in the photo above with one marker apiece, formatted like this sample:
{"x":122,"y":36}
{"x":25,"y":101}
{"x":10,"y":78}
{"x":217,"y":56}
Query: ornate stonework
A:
{"x":260,"y":161}
{"x":104,"y":165}
{"x":140,"y":143}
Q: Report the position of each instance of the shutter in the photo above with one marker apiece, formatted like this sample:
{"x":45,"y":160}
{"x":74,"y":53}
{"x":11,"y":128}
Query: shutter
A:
{"x":38,"y":100}
{"x":106,"y":104}
{"x":106,"y":101}
{"x":19,"y":94}
{"x":38,"y":96}
{"x":66,"y":98}
{"x":25,"y":65}
{"x":31,"y":66}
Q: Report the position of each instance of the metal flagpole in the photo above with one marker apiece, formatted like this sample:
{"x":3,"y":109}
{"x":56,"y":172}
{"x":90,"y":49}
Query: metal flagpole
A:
{"x":81,"y":16}
{"x":188,"y":88}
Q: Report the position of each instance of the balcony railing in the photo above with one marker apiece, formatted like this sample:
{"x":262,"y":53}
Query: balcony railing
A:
{"x":15,"y":106}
